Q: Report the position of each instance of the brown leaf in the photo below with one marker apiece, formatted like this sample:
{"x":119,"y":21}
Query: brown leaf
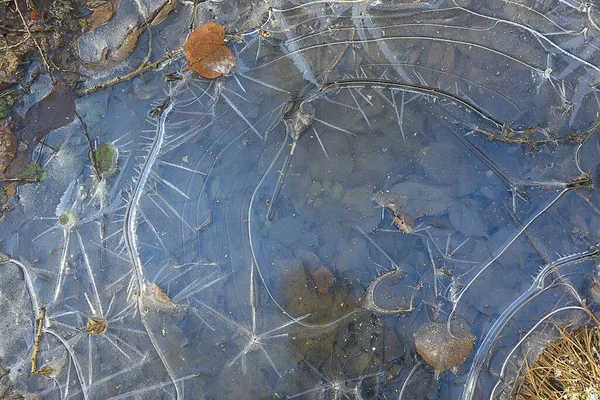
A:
{"x":96,"y":326}
{"x":19,"y":163}
{"x":206,"y":52}
{"x":103,"y":13}
{"x":164,"y":12}
{"x":8,"y":146}
{"x":323,"y":279}
{"x":440,"y":349}
{"x":55,"y":110}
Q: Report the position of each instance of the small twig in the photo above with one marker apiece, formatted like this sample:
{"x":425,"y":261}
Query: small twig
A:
{"x":203,"y":225}
{"x":534,"y":243}
{"x":140,"y":70}
{"x":38,"y":337}
{"x":43,"y":143}
{"x":92,"y":150}
{"x":10,"y":29}
{"x":20,"y":180}
{"x":589,"y":202}
{"x":32,"y":38}
{"x":339,"y":59}
{"x":510,"y":136}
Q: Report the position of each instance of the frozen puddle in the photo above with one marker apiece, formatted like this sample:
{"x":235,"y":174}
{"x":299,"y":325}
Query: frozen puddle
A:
{"x":285,"y":230}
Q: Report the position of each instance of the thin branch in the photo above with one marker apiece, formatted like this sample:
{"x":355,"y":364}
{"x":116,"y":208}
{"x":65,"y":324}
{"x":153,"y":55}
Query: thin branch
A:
{"x":32,"y":38}
{"x":144,"y":67}
{"x":90,"y":144}
{"x":38,"y":337}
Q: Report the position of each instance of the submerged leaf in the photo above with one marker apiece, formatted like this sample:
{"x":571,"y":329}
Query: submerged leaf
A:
{"x":323,"y":279}
{"x":440,"y":349}
{"x":206,"y":52}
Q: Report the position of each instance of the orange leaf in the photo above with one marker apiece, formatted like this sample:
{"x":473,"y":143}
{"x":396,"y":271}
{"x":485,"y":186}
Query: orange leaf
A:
{"x":206,"y":52}
{"x":36,"y":14}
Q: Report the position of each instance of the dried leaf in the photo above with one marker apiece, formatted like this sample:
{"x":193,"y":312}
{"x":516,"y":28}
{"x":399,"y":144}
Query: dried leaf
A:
{"x":53,"y":368}
{"x":323,"y":279}
{"x":96,"y":326}
{"x":164,"y":12}
{"x":206,"y":52}
{"x":112,"y":58}
{"x":103,"y":13}
{"x":19,"y":163}
{"x":55,"y":110}
{"x":8,"y":146}
{"x":10,"y":190}
{"x":154,"y":298}
{"x":440,"y":349}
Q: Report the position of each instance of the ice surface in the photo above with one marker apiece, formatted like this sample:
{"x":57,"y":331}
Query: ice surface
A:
{"x":196,"y":262}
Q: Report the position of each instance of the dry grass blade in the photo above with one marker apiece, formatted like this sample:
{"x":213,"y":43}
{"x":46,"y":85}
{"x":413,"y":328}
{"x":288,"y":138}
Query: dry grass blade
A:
{"x":567,"y":369}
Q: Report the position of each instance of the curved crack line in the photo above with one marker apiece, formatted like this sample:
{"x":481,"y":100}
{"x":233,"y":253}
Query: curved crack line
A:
{"x":393,"y":38}
{"x":129,"y":234}
{"x":411,"y":88}
{"x":537,"y":287}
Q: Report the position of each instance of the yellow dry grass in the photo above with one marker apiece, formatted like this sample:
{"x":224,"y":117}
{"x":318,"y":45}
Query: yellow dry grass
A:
{"x":567,"y":369}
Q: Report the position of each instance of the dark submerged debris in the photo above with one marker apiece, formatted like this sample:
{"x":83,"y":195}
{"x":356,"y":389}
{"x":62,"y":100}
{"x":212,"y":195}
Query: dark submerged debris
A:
{"x":583,"y":180}
{"x":323,"y":279}
{"x":55,"y":110}
{"x":298,"y":115}
{"x":302,"y":295}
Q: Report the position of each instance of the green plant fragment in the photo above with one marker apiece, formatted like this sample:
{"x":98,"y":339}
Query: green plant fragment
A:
{"x":106,"y":158}
{"x":34,"y":171}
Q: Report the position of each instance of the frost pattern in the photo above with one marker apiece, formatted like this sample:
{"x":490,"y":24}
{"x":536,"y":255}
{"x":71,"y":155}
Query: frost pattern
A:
{"x":417,"y":153}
